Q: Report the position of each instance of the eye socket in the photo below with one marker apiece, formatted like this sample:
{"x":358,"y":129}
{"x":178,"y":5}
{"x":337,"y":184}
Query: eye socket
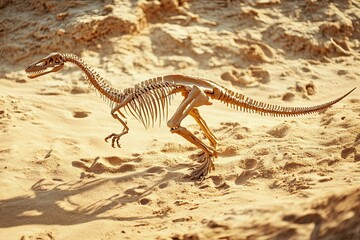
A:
{"x":57,"y":60}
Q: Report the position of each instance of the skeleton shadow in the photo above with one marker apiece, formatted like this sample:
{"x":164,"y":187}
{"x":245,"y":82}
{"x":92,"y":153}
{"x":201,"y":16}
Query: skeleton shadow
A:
{"x":49,"y":203}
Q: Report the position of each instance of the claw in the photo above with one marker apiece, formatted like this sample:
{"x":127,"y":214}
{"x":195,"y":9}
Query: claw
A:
{"x":111,"y":135}
{"x":201,"y":156}
{"x":206,"y":166}
{"x":114,"y":139}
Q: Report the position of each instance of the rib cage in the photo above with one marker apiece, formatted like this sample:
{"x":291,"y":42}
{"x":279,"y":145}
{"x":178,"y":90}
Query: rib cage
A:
{"x":151,"y":100}
{"x":246,"y":104}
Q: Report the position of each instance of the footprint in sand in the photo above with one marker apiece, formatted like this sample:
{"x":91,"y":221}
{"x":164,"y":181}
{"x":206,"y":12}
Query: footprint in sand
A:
{"x":249,"y":171}
{"x":288,"y":97}
{"x":145,"y":201}
{"x":279,"y":131}
{"x":80,"y":114}
{"x":163,"y":185}
{"x":156,"y":169}
{"x":217,"y":180}
{"x":79,"y":90}
{"x":107,"y":164}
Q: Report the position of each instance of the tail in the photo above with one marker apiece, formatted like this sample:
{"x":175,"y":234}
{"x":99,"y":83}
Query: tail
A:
{"x":239,"y":101}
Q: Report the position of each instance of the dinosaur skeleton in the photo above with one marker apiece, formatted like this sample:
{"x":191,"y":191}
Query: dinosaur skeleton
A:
{"x":148,"y":102}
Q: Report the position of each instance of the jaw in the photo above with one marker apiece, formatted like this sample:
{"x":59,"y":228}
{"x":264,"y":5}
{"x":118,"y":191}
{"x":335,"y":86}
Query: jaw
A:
{"x":35,"y":74}
{"x":51,"y":63}
{"x":34,"y":71}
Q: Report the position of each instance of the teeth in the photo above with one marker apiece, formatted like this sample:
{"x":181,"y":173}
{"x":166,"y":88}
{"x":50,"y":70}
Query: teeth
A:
{"x":36,"y":73}
{"x":33,"y":74}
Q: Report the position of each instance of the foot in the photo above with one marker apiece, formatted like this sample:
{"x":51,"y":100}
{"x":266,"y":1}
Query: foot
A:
{"x":198,"y":157}
{"x":207,"y":165}
{"x":114,"y":139}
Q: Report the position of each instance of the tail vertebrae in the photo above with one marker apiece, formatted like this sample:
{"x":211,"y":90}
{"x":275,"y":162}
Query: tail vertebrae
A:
{"x":240,"y":102}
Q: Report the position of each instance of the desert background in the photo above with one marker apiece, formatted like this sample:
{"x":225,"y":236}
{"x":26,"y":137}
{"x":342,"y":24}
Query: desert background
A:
{"x":275,"y":178}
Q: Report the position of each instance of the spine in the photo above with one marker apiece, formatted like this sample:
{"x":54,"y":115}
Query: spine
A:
{"x":95,"y":80}
{"x":240,"y":102}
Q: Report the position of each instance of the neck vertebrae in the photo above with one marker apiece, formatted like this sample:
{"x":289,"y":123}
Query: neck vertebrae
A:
{"x":95,"y":80}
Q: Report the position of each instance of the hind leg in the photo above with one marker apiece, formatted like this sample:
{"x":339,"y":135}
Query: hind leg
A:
{"x":205,"y":129}
{"x":208,"y":157}
{"x":193,"y":99}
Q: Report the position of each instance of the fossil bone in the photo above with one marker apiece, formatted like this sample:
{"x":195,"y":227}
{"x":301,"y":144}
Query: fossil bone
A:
{"x":148,"y":102}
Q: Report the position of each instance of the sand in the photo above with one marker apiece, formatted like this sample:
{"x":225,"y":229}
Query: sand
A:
{"x":275,"y":178}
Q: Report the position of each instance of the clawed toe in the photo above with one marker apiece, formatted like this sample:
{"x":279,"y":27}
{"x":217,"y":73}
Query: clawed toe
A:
{"x":114,"y":139}
{"x":201,"y":157}
{"x":200,"y":172}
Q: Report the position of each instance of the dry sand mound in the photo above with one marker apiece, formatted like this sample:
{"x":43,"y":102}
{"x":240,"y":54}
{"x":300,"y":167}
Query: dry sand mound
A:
{"x":275,"y":178}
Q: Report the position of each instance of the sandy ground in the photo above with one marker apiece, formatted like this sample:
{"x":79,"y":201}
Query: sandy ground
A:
{"x":275,"y":178}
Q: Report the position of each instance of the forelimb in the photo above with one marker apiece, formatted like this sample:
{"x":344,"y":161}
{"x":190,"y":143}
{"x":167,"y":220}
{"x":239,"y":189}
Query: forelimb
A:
{"x":116,"y":137}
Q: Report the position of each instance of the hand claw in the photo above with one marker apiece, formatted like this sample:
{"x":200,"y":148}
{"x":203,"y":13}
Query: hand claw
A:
{"x":113,"y":141}
{"x":114,"y":138}
{"x":107,"y":138}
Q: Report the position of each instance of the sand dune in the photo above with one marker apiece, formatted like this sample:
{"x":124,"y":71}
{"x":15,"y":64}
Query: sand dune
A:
{"x":275,"y":178}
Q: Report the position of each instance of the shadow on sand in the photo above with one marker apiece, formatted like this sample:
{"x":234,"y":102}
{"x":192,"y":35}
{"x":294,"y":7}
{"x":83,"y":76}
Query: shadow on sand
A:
{"x":53,"y":203}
